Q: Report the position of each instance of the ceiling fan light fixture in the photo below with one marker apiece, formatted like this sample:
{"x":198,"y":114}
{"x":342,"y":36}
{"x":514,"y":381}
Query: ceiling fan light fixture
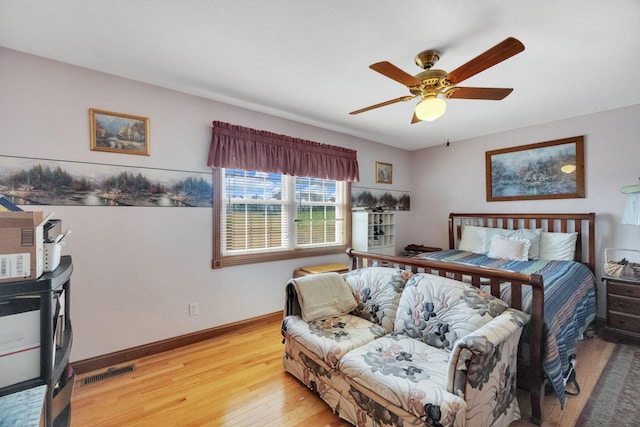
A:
{"x":431,"y":83}
{"x":430,"y":108}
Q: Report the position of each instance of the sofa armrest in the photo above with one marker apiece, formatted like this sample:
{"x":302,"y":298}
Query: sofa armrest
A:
{"x":483,"y":366}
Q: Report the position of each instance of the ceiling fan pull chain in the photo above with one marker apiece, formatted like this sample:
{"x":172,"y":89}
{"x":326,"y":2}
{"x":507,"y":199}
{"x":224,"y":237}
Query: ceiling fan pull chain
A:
{"x":446,"y":131}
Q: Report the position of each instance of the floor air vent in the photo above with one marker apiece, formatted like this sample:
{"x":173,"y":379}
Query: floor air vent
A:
{"x":109,"y":373}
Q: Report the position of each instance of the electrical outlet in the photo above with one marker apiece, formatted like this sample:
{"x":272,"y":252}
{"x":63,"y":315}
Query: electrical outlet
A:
{"x":193,"y":309}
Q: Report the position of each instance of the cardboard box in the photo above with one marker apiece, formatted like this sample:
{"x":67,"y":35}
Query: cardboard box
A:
{"x":21,"y":246}
{"x":19,"y":340}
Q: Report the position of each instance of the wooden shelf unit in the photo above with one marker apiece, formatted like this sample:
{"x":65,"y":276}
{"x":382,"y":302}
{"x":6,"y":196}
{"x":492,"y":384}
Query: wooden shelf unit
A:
{"x":374,"y":232}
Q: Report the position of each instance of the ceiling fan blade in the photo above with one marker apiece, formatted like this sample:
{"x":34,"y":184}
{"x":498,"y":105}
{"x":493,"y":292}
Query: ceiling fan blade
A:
{"x":382,"y":104}
{"x":491,"y":93}
{"x":503,"y":50}
{"x":395,"y":73}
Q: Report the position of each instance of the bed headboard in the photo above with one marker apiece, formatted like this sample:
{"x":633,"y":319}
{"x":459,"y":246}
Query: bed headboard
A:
{"x":582,"y":223}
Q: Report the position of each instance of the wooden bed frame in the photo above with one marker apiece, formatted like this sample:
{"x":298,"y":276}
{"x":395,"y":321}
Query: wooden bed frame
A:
{"x":582,"y":223}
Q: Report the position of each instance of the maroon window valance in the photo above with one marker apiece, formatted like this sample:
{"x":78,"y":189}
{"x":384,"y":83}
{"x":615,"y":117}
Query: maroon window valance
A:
{"x":237,"y":147}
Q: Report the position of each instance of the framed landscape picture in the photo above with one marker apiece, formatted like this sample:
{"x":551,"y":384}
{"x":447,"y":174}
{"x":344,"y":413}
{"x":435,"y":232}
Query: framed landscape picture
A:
{"x":545,"y":170}
{"x":119,"y":133}
{"x":384,"y":173}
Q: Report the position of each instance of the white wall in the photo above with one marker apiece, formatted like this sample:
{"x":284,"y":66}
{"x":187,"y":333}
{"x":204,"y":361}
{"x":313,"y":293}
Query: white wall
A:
{"x":137,"y":269}
{"x":452,"y":179}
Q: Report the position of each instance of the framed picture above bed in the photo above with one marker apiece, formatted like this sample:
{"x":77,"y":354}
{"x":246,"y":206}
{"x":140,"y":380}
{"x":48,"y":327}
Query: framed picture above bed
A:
{"x":545,"y":170}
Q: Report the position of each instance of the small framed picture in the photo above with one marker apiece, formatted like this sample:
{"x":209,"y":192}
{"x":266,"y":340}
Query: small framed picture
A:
{"x":384,"y":173}
{"x":119,"y":133}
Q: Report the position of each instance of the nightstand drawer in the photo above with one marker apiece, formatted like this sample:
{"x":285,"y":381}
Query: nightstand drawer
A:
{"x":626,"y":322}
{"x":623,"y":304}
{"x":623,"y":289}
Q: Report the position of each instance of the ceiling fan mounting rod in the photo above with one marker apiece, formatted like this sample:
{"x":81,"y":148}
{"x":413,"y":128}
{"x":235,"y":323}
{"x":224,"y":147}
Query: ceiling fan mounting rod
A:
{"x":427,"y":58}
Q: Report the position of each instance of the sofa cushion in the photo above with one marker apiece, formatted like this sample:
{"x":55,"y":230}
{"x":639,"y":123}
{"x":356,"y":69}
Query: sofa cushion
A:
{"x":407,"y":373}
{"x":377,"y":291}
{"x":330,"y":339}
{"x":439,"y":311}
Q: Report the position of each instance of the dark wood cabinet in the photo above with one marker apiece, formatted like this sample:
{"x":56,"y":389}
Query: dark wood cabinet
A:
{"x":50,"y":294}
{"x":623,"y":308}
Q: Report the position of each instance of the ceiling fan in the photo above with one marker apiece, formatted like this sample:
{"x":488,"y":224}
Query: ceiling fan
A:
{"x":433,"y":85}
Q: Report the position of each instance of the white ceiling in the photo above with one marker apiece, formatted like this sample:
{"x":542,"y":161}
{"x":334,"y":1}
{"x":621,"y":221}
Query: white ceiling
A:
{"x":307,"y":60}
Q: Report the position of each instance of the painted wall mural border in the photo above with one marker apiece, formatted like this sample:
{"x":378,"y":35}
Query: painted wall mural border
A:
{"x":375,"y":198}
{"x":38,"y":181}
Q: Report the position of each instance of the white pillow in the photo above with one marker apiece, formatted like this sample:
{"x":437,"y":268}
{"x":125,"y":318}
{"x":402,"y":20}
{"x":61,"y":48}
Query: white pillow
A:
{"x":478,"y":239}
{"x":490,"y":232}
{"x":533,"y":236}
{"x":509,"y":248}
{"x":558,"y":246}
{"x":472,"y":239}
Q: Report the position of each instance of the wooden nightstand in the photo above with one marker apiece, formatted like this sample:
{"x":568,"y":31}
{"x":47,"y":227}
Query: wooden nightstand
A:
{"x":623,"y":308}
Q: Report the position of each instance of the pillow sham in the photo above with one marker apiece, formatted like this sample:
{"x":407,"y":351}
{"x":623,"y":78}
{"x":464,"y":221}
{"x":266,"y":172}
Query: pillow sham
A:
{"x":478,"y":239}
{"x":472,"y":239}
{"x":511,"y":248}
{"x":533,"y":236}
{"x":558,"y":246}
{"x":490,"y":232}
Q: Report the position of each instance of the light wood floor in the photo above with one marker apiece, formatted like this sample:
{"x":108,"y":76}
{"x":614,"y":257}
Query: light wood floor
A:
{"x":237,"y":380}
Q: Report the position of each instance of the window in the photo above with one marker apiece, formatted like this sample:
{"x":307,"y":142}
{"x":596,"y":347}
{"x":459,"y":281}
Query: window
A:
{"x":261,"y":216}
{"x":277,"y":214}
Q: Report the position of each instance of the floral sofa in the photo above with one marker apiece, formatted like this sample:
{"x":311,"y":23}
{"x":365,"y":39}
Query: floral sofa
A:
{"x":382,"y":346}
